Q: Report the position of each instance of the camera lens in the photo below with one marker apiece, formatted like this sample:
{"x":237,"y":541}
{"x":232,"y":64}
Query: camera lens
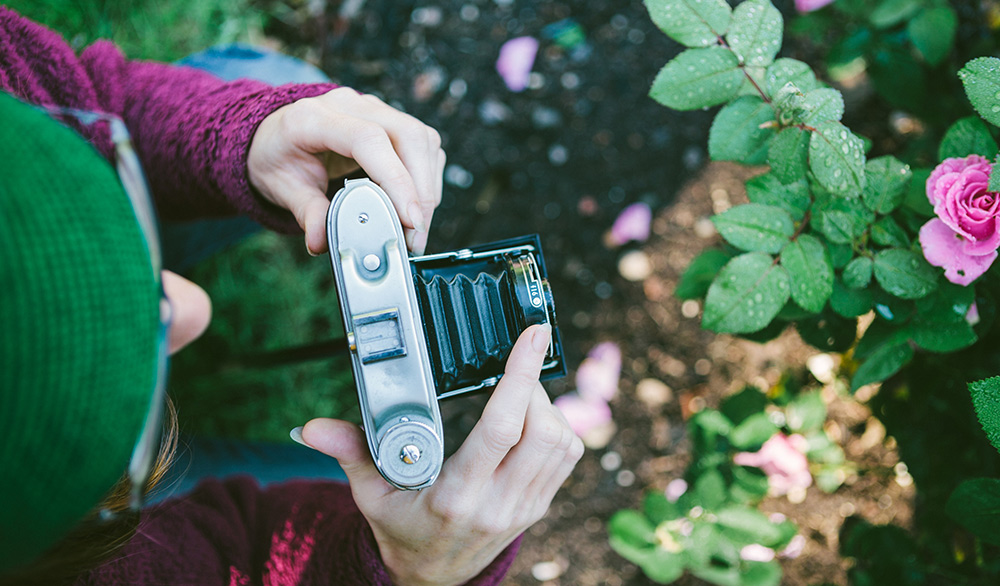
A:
{"x":532,"y":293}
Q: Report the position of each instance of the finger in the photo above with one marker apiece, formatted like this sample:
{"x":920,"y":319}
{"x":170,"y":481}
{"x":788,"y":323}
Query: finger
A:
{"x":314,"y":224}
{"x":346,"y":442}
{"x":543,"y":447}
{"x":367,"y":143}
{"x":500,"y":427}
{"x":416,"y":143}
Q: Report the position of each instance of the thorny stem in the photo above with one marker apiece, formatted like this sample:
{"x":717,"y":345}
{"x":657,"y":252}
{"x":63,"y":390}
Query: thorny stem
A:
{"x":743,"y":68}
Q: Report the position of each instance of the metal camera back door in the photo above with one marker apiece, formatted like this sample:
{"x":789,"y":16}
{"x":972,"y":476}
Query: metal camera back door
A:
{"x":381,"y":316}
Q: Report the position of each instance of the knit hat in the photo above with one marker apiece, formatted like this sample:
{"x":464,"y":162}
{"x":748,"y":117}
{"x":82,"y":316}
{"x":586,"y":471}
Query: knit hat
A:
{"x":78,"y":330}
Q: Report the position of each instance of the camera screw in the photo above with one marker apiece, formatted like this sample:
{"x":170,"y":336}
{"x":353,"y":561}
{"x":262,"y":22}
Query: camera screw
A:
{"x":409,"y":454}
{"x":371,"y":262}
{"x":363,"y":218}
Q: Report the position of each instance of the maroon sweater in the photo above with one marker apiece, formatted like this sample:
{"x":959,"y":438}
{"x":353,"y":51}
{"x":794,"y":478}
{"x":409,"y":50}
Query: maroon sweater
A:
{"x":192,"y":133}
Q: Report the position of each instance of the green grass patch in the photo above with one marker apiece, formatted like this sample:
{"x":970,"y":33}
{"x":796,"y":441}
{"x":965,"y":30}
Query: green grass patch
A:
{"x":162,"y":31}
{"x":267,"y":294}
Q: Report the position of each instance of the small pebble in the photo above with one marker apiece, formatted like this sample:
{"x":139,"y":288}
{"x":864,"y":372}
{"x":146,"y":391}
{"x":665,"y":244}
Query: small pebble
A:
{"x":653,"y":393}
{"x":545,"y":571}
{"x":611,"y":461}
{"x":635,"y":265}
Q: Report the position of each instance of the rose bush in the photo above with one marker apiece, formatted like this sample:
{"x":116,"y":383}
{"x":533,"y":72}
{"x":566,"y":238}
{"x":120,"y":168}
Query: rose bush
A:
{"x":964,"y":237}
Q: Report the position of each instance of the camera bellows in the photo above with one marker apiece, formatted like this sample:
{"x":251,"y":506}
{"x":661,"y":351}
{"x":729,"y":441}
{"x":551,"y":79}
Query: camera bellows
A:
{"x":469,"y":325}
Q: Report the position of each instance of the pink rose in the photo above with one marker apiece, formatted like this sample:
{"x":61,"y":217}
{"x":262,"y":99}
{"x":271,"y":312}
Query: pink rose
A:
{"x":964,"y":237}
{"x":804,"y":6}
{"x":783,"y":459}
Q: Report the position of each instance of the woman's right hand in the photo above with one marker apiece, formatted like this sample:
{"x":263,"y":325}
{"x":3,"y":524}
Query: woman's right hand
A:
{"x":499,"y":483}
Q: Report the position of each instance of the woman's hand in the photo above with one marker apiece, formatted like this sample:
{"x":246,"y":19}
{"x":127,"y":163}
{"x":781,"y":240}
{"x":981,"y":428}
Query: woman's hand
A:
{"x":497,"y":484}
{"x":300,"y":147}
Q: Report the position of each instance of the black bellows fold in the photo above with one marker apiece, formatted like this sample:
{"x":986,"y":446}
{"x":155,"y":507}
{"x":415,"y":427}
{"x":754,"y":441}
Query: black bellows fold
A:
{"x":467,"y":324}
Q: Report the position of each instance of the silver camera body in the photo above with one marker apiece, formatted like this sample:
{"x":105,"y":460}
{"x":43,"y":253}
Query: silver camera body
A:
{"x":425,"y":328}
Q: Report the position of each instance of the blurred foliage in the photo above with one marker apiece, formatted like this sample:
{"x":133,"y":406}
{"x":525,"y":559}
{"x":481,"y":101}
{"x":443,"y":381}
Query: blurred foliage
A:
{"x":267,"y":294}
{"x":162,"y":31}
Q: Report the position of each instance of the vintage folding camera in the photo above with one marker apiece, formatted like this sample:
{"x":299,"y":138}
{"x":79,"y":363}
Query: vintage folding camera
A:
{"x":426,"y":328}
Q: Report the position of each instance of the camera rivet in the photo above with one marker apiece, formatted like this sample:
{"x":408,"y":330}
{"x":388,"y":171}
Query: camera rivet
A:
{"x":371,"y":262}
{"x":409,"y":454}
{"x":363,"y":218}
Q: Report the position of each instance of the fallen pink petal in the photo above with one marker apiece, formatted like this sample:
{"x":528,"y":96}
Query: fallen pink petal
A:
{"x":632,"y":224}
{"x":804,"y":6}
{"x":676,"y":489}
{"x":598,"y":375}
{"x":517,"y":57}
{"x":583,"y":415}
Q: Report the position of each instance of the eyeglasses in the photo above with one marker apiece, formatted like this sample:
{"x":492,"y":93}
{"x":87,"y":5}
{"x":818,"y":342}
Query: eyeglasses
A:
{"x":133,"y":180}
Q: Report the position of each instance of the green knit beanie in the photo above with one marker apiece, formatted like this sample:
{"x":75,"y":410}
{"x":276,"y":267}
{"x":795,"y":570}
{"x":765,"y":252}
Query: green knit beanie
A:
{"x":78,"y":330}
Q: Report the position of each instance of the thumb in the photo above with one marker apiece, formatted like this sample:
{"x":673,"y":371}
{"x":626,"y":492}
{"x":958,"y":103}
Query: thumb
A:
{"x":345,"y":442}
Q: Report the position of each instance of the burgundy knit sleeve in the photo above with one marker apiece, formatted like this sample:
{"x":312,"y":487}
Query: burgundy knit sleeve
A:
{"x":192,"y":131}
{"x":232,"y":532}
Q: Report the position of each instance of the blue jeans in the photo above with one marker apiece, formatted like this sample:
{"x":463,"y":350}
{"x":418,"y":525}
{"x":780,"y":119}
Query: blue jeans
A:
{"x":187,"y":243}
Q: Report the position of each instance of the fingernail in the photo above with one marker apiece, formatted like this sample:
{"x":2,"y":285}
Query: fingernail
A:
{"x":309,"y":250}
{"x":540,"y":339}
{"x":416,"y":214}
{"x":296,"y":435}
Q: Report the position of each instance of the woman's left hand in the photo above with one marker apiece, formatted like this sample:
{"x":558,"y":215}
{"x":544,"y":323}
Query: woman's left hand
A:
{"x":301,"y":146}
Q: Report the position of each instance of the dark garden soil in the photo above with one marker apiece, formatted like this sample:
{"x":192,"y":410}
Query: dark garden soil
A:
{"x":562,"y":159}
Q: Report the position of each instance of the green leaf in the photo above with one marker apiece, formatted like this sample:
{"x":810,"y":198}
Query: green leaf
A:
{"x":632,"y":527}
{"x":737,"y":133}
{"x":933,"y":32}
{"x":967,"y":136}
{"x":850,"y":302}
{"x":793,"y":197}
{"x":887,"y":181}
{"x":743,"y":404}
{"x":858,"y":273}
{"x":881,"y":364}
{"x":749,"y":484}
{"x":809,"y":272}
{"x":916,"y":195}
{"x":840,"y":254}
{"x":986,"y":400}
{"x":756,"y":32}
{"x":761,"y":573}
{"x":949,"y":303}
{"x":975,"y":505}
{"x":981,"y":78}
{"x":710,"y":490}
{"x":886,"y":232}
{"x":891,"y":12}
{"x":751,"y":434}
{"x":994,"y":184}
{"x":755,"y":227}
{"x":785,"y":70}
{"x":807,"y":412}
{"x":692,"y":23}
{"x":658,"y":509}
{"x":700,"y":273}
{"x":841,"y":220}
{"x":788,"y":154}
{"x":828,"y":331}
{"x":820,"y":105}
{"x":745,"y":526}
{"x":749,"y":291}
{"x":698,"y":78}
{"x":940,"y":336}
{"x":904,"y":273}
{"x":836,"y":158}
